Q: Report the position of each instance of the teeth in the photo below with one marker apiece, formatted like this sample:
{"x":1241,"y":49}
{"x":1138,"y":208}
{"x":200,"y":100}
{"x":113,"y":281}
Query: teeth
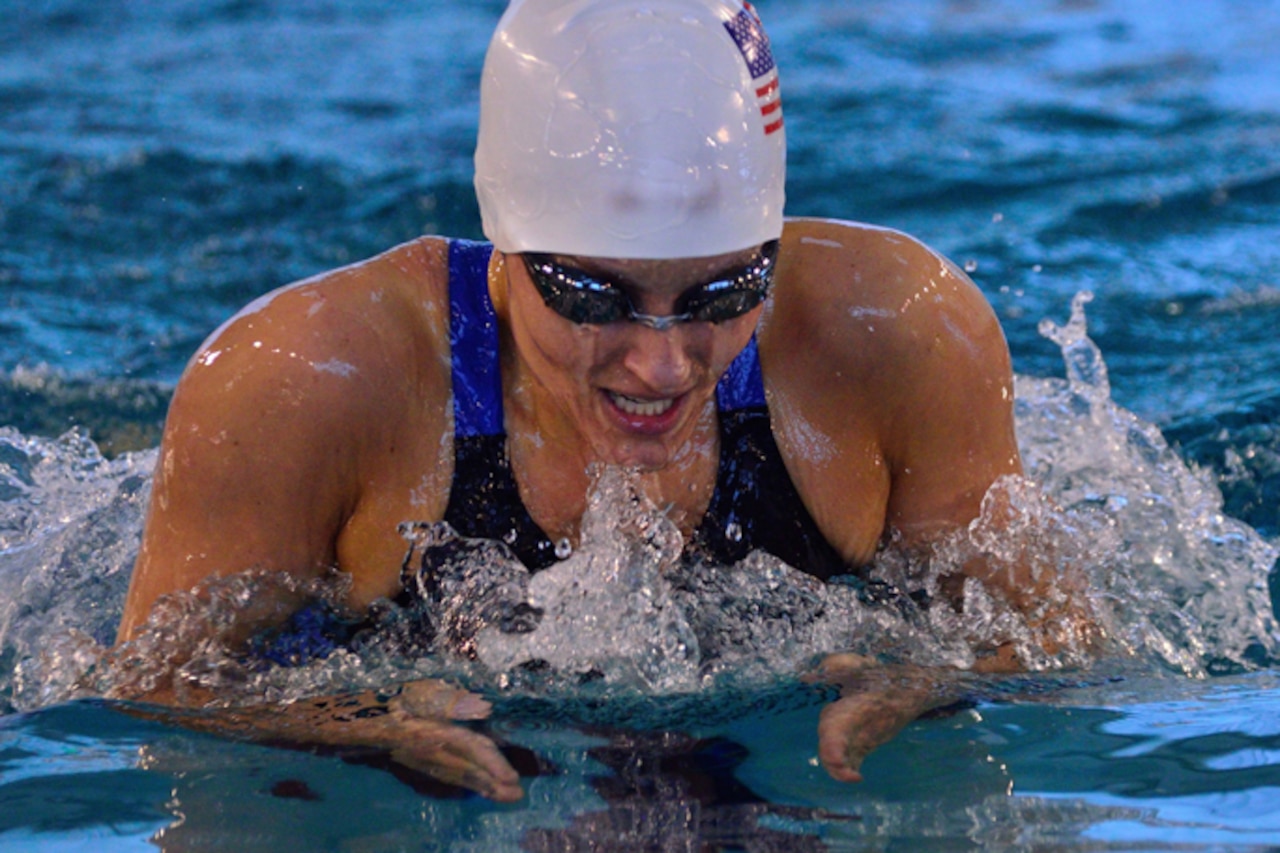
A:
{"x":643,"y":408}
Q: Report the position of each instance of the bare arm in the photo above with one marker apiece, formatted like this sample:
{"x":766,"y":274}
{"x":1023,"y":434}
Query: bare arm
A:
{"x":905,"y":375}
{"x":304,"y":430}
{"x":892,"y":382}
{"x":284,"y":452}
{"x":414,"y":724}
{"x":246,"y":476}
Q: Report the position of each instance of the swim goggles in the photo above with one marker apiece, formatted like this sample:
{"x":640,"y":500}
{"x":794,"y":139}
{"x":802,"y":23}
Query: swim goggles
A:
{"x":582,"y":298}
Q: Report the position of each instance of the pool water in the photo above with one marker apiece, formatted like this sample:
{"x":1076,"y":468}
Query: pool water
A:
{"x":163,"y":164}
{"x":1152,"y":766}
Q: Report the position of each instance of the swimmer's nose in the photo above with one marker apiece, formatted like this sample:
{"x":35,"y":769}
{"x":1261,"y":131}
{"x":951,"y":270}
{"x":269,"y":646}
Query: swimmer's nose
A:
{"x":660,"y":359}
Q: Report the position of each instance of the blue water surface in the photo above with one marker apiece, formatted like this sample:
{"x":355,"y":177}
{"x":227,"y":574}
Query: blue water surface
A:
{"x":163,"y":163}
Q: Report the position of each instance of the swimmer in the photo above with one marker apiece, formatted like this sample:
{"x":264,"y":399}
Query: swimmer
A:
{"x":817,"y":387}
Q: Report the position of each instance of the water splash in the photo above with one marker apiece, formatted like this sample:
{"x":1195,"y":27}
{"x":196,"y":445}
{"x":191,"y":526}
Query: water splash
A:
{"x":1174,"y":577}
{"x":1086,"y":371}
{"x":70,"y":522}
{"x":606,"y":610}
{"x":626,"y":611}
{"x":1107,"y":506}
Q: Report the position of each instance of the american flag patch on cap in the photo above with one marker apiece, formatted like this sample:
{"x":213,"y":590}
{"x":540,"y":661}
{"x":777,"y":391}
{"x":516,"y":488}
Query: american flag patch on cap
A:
{"x":748,"y":33}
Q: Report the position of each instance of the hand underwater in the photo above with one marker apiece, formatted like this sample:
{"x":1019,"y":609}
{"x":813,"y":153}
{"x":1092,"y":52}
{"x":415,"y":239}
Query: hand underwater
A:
{"x":413,"y":724}
{"x":420,"y":737}
{"x":876,"y":702}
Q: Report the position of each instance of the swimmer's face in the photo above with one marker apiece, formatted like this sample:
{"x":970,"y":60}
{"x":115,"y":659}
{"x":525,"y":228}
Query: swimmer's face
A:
{"x":634,"y":394}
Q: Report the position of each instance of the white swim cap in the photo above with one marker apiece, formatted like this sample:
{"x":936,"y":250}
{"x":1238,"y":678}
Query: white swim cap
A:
{"x":630,"y":129}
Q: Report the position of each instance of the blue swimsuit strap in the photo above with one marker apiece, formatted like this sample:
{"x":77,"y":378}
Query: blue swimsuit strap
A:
{"x":484,"y":500}
{"x":754,"y":505}
{"x":742,"y":386}
{"x":477,"y":382}
{"x":473,"y":338}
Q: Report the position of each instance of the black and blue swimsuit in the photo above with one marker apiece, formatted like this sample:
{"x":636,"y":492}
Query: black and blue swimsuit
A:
{"x":755,"y":504}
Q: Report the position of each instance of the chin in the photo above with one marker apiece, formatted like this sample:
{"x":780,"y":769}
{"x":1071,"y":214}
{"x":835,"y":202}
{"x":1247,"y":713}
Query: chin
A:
{"x":646,"y":456}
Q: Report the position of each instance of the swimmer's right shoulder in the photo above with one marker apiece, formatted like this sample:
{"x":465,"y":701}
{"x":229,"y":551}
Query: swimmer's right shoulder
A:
{"x":400,"y":295}
{"x":304,"y":411}
{"x":353,"y":341}
{"x":401,"y":291}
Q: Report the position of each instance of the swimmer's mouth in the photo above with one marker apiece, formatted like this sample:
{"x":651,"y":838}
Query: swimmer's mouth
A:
{"x":641,"y":408}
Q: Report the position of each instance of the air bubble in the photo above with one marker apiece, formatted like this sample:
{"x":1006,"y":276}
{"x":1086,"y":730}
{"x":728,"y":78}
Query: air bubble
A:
{"x":1112,"y":504}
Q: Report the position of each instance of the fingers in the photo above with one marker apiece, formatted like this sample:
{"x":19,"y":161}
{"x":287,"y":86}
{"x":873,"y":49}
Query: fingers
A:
{"x":460,"y":757}
{"x":838,"y":750}
{"x":414,"y":726}
{"x":875,"y":705}
{"x":850,"y":728}
{"x":450,"y":753}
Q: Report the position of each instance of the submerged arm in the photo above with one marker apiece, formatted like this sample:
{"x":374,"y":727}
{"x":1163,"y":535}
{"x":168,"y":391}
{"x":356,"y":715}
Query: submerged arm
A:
{"x":905,"y":369}
{"x":413,"y":724}
{"x":280,"y":472}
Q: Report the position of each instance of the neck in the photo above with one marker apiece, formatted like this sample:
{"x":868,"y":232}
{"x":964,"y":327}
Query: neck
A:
{"x":553,"y":466}
{"x":554,"y":448}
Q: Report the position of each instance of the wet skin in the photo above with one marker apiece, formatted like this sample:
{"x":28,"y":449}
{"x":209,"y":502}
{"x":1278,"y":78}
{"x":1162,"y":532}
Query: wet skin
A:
{"x":317,"y":419}
{"x":620,"y":394}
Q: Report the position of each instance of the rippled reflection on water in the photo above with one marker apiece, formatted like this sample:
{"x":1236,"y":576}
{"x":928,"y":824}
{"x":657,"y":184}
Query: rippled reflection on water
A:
{"x":162,"y":164}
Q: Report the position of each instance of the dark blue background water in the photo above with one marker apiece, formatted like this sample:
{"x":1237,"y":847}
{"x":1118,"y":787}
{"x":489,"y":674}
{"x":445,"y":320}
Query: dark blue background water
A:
{"x":161,"y":163}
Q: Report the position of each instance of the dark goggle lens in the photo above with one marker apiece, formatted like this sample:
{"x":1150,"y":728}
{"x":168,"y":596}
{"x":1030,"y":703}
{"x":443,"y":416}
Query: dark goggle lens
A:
{"x":722,"y":301}
{"x":735,"y":294}
{"x":590,"y":306}
{"x":581,"y":298}
{"x":575,"y":295}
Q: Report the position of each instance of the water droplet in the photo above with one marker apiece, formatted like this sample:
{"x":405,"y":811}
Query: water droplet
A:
{"x":733,"y":531}
{"x":563,"y":549}
{"x":971,"y":265}
{"x":511,"y":536}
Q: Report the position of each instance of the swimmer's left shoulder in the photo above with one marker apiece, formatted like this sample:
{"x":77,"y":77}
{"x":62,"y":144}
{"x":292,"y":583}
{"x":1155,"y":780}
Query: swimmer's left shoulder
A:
{"x":839,"y":234}
{"x":869,"y":264}
{"x":861,"y":296}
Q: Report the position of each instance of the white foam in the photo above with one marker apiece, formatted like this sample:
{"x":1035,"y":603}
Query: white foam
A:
{"x":1173,"y":581}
